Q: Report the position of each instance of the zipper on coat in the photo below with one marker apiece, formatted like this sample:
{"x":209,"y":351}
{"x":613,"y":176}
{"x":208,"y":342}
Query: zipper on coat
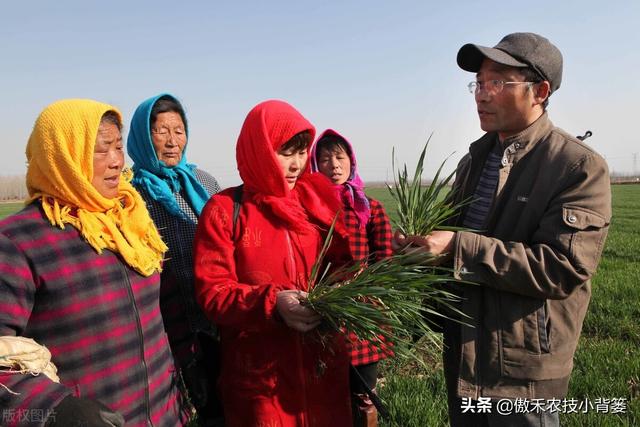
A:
{"x":543,"y":321}
{"x":298,"y":338}
{"x":478,"y":365}
{"x":499,"y":332}
{"x":292,"y":264}
{"x":141,"y":337}
{"x":303,"y":381}
{"x":459,"y":219}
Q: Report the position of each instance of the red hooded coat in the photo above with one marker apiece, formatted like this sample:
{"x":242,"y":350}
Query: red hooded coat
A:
{"x":271,"y":374}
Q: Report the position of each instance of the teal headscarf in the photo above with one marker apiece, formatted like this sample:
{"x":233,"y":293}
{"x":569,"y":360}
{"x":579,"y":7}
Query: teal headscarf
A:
{"x":152,"y":175}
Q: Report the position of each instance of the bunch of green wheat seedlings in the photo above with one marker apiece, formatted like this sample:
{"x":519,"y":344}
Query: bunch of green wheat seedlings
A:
{"x":385,"y":302}
{"x":421,"y":208}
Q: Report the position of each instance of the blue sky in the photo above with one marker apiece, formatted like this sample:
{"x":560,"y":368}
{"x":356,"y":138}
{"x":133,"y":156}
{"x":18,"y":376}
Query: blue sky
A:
{"x":382,"y":73}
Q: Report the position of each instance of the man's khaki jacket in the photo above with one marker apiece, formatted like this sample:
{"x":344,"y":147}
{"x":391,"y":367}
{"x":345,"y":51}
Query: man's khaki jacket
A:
{"x":533,"y":263}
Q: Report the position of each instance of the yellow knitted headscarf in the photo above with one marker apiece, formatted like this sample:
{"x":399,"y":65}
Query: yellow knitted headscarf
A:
{"x":60,"y":157}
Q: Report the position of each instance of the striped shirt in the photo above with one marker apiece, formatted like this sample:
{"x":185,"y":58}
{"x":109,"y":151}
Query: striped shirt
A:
{"x":485,"y":191}
{"x":99,"y":318}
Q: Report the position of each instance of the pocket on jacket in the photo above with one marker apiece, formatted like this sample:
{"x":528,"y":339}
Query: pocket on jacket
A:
{"x":585,"y":233}
{"x":252,"y":368}
{"x":523,"y":323}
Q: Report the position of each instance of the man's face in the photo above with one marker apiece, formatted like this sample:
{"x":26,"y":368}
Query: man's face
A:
{"x":512,"y":109}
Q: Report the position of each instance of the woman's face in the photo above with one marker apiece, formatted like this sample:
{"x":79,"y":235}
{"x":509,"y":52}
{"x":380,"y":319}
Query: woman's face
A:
{"x":108,"y":160}
{"x":292,"y":163}
{"x":335,"y":164}
{"x":169,"y":137}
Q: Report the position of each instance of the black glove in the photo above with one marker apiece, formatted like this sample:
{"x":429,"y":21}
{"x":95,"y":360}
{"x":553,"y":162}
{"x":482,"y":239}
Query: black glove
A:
{"x":77,"y":411}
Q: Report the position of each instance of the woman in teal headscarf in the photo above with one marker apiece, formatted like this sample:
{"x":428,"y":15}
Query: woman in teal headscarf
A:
{"x":175,"y":193}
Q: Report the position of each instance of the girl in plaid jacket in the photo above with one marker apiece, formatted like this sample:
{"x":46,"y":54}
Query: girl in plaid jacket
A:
{"x":369,"y":240}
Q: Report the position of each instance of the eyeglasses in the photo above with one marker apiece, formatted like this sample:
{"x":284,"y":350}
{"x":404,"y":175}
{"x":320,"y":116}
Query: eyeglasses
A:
{"x":492,"y":87}
{"x":165,"y":133}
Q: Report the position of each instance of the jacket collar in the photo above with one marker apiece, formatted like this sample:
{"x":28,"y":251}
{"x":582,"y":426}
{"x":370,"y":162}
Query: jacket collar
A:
{"x":519,"y":144}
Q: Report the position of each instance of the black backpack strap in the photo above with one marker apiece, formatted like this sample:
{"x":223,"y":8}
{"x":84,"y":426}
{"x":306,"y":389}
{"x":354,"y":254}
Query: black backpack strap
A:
{"x":237,"y":202}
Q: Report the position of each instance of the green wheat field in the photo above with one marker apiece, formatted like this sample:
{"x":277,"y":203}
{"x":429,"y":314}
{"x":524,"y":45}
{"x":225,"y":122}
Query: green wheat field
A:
{"x":607,"y":363}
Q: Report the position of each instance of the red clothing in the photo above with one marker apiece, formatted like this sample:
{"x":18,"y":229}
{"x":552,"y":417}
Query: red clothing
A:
{"x":271,"y":375}
{"x":373,"y":240}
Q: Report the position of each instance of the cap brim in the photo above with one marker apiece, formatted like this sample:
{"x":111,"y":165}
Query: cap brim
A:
{"x":470,"y":57}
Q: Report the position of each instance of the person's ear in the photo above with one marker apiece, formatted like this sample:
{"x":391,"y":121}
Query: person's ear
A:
{"x":541,"y":92}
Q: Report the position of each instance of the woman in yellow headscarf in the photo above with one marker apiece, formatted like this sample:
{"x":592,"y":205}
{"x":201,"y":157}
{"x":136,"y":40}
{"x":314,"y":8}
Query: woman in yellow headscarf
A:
{"x":79,"y":275}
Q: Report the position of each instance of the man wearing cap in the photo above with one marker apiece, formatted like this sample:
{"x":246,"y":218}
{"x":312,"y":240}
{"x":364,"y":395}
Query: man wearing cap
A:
{"x":540,"y":207}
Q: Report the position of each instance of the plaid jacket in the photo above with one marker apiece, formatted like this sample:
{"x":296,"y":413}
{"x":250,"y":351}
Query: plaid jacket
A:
{"x":99,"y":318}
{"x":182,"y":315}
{"x":374,"y":241}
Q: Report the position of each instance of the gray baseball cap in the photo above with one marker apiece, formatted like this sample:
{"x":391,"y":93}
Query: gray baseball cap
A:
{"x":517,"y":50}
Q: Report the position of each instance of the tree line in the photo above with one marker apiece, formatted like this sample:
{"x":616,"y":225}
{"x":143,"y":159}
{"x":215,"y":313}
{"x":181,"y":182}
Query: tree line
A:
{"x":13,"y":187}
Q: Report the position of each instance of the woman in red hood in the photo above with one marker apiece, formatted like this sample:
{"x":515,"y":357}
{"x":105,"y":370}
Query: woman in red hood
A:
{"x":252,"y":271}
